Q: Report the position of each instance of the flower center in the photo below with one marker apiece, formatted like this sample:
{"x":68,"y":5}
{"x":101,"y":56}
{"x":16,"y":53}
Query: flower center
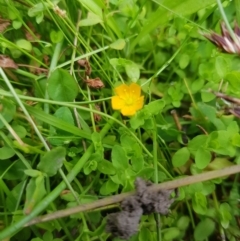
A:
{"x":129,"y":101}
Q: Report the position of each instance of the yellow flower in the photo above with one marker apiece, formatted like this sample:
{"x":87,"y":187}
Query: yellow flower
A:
{"x":128,"y":99}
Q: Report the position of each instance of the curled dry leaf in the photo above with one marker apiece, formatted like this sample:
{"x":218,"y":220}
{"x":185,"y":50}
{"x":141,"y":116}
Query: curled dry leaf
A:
{"x":6,"y":62}
{"x":97,"y":117}
{"x":4,"y":23}
{"x":31,"y":36}
{"x":61,"y":13}
{"x":95,"y":83}
{"x":85,"y":63}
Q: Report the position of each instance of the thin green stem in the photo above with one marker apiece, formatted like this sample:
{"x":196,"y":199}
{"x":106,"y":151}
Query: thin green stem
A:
{"x":191,"y":214}
{"x":220,"y":7}
{"x":237,"y":9}
{"x":91,"y":108}
{"x":20,"y":156}
{"x":23,"y":108}
{"x":223,"y":236}
{"x":53,"y":64}
{"x":155,"y":165}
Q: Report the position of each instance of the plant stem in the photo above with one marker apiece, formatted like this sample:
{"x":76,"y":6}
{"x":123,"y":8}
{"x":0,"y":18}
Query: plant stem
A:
{"x":237,"y":9}
{"x":155,"y":164}
{"x":220,"y":7}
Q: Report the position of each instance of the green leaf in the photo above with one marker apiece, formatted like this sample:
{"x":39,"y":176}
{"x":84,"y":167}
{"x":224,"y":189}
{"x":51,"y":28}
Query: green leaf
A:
{"x":118,"y":45}
{"x":62,"y":86}
{"x":132,"y":71}
{"x":233,"y":128}
{"x":52,"y":120}
{"x":32,"y":173}
{"x":137,"y":162}
{"x":7,"y":109}
{"x":145,"y":234}
{"x":137,"y":120}
{"x":97,"y":141}
{"x":35,"y":191}
{"x":221,"y":66}
{"x":171,"y":233}
{"x":106,"y":167}
{"x":20,"y":130}
{"x":207,"y":96}
{"x":12,"y":170}
{"x":39,"y":18}
{"x":108,"y":187}
{"x":202,"y":158}
{"x":219,"y":163}
{"x":92,"y":19}
{"x":183,"y":222}
{"x":233,"y":79}
{"x":16,"y":24}
{"x":24,"y":44}
{"x":6,"y":153}
{"x":119,"y":158}
{"x":184,"y":61}
{"x":204,"y":229}
{"x":89,"y":167}
{"x":56,"y":36}
{"x":196,"y":142}
{"x":65,"y":114}
{"x":208,"y":188}
{"x":36,"y":9}
{"x":199,"y":203}
{"x":146,"y":173}
{"x":180,"y":157}
{"x":225,"y":214}
{"x":52,"y":161}
{"x":154,"y":107}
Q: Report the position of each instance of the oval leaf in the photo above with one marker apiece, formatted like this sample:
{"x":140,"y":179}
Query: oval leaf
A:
{"x":119,"y":44}
{"x":62,"y":86}
{"x":52,"y":161}
{"x":202,"y":158}
{"x":106,"y":167}
{"x":6,"y":153}
{"x":181,"y":157}
{"x":204,"y":229}
{"x":119,"y":157}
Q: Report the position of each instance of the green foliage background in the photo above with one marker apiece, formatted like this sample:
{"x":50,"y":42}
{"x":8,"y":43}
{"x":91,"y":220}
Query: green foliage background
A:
{"x":61,"y":143}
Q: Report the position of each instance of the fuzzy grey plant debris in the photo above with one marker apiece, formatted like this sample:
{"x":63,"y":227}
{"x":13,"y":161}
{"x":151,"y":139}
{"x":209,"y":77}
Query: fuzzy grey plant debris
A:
{"x":125,"y":223}
{"x":153,"y":202}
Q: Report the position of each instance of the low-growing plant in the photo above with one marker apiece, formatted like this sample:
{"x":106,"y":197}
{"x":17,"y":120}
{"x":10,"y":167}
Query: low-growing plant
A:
{"x":98,"y":98}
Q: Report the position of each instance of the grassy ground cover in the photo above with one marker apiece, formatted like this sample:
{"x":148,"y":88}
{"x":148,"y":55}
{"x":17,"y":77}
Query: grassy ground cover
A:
{"x":95,"y":95}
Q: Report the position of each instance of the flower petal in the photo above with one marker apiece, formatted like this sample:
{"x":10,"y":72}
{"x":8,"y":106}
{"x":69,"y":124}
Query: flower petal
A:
{"x":117,"y":103}
{"x":138,"y":104}
{"x":134,"y":90}
{"x":128,"y":110}
{"x":122,"y":90}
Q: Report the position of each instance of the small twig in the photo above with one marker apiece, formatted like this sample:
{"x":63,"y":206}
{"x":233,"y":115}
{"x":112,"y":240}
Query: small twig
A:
{"x":120,"y":197}
{"x":226,"y":97}
{"x":176,"y":120}
{"x":202,"y":129}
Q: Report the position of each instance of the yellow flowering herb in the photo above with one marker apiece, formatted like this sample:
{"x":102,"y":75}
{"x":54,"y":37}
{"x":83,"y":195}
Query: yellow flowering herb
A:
{"x":128,"y":99}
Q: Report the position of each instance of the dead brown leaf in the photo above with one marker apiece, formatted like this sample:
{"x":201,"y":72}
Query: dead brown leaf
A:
{"x":95,"y":83}
{"x":6,"y":62}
